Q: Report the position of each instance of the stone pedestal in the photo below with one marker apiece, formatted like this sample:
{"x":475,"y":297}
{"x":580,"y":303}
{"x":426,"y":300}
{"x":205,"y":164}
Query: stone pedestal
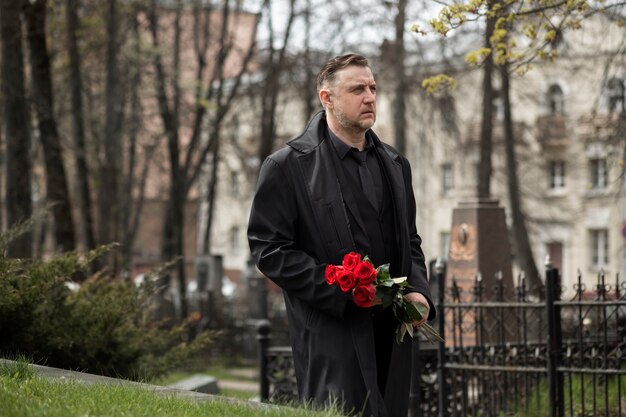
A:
{"x":479,"y":242}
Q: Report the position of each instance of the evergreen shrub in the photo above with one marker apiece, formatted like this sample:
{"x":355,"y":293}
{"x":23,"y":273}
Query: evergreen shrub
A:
{"x":104,"y":326}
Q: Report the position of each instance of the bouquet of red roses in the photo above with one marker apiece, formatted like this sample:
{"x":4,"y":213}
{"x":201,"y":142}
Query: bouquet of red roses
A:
{"x":367,"y":282}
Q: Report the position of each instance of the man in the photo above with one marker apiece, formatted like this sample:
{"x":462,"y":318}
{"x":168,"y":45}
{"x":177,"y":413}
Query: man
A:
{"x":335,"y":189}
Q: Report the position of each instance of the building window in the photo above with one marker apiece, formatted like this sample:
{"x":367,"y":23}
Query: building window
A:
{"x":234,"y":238}
{"x":599,"y":247}
{"x":615,"y":92}
{"x":447,"y":178}
{"x":597,"y":173}
{"x":557,"y":174}
{"x":556,"y":100}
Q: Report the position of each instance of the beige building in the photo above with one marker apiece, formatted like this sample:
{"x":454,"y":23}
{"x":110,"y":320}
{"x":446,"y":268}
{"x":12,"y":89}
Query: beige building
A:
{"x":570,"y":152}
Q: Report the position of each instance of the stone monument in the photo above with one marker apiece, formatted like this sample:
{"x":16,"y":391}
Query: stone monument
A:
{"x":479,"y":243}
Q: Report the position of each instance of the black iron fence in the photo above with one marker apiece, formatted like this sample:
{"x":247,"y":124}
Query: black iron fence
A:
{"x":557,"y":357}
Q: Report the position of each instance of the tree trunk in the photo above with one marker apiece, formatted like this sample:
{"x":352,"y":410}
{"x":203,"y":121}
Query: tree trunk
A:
{"x":2,"y":200}
{"x":309,"y":88}
{"x":56,"y":179}
{"x":484,"y":168}
{"x":186,"y":168}
{"x":173,"y":249}
{"x":212,"y":194}
{"x":177,"y":193}
{"x":18,"y":171}
{"x":274,"y":67}
{"x":213,"y":145}
{"x":399,"y":115}
{"x":132,"y":208}
{"x":268,"y":111}
{"x":172,"y":244}
{"x":520,"y":233}
{"x":78,"y":125}
{"x":109,"y":194}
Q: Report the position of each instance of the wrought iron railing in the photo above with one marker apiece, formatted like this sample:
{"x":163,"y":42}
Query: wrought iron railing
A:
{"x":522,"y":357}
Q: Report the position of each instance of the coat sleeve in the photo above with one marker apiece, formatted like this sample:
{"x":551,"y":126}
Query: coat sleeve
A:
{"x":418,"y":277}
{"x":272,"y":239}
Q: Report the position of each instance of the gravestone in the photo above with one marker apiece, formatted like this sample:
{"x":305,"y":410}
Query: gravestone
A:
{"x":209,"y":274}
{"x":479,"y":242}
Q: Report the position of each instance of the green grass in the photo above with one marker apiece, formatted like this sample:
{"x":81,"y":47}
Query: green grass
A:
{"x":538,"y":407}
{"x":24,"y":394}
{"x":239,"y":394}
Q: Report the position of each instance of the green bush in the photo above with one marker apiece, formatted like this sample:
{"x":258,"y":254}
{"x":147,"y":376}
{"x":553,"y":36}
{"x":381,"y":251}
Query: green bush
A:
{"x":106,"y":326}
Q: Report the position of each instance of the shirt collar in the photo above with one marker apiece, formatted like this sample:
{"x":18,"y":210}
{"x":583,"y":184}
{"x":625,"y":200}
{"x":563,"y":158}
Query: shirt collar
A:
{"x":342,"y":148}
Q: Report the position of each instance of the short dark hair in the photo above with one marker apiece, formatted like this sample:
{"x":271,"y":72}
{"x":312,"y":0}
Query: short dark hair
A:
{"x":329,"y":70}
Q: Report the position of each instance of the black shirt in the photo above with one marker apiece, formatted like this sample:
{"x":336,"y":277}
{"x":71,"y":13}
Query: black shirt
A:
{"x":351,"y":166}
{"x":374,"y":236}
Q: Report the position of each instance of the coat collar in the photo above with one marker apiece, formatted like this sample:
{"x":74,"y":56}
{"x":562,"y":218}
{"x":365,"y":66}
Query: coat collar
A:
{"x":314,"y":133}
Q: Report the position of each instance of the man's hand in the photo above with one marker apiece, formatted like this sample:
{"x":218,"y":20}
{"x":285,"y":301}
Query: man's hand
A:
{"x":415,"y":297}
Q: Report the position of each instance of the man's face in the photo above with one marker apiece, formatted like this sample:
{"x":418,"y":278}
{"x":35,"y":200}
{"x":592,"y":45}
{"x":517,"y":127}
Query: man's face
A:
{"x":353,"y":98}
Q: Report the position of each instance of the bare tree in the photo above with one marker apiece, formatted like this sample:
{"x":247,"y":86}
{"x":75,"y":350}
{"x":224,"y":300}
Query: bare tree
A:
{"x":172,"y":245}
{"x":135,"y":169}
{"x":486,"y":126}
{"x":78,"y":124}
{"x":399,"y":115}
{"x":224,"y":103}
{"x":18,"y":171}
{"x":186,"y":162}
{"x":56,"y":179}
{"x":273,"y":68}
{"x":110,"y":164}
{"x":520,"y":233}
{"x":308,"y":88}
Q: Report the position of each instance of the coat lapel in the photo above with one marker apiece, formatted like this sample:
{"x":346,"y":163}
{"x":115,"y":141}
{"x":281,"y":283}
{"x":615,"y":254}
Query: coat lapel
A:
{"x":318,"y":169}
{"x":395,"y":181}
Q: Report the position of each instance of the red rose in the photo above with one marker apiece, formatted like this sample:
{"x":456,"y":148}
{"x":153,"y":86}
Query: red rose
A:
{"x":345,"y":279}
{"x":365,"y":273}
{"x":364,"y":295}
{"x":331,"y":274}
{"x":351,"y":260}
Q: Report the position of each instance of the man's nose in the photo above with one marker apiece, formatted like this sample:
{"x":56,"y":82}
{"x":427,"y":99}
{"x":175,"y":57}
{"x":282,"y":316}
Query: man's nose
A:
{"x":370,"y":96}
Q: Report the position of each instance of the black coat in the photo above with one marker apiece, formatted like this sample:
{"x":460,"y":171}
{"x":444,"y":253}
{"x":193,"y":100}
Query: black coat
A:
{"x":298,"y":224}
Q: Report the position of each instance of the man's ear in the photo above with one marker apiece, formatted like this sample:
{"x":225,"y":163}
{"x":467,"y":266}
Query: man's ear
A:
{"x":325,"y":98}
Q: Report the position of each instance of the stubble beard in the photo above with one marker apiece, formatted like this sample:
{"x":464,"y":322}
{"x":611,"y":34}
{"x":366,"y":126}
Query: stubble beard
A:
{"x":359,"y":126}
